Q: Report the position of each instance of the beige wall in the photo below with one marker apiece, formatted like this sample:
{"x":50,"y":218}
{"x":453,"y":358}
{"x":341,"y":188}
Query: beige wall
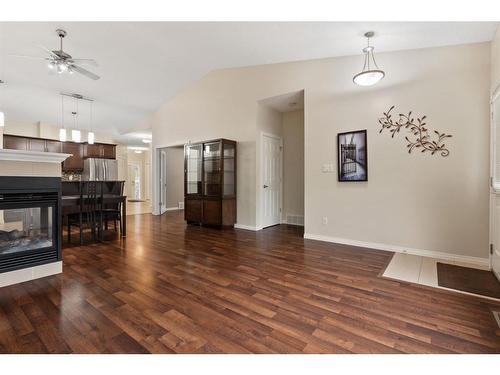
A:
{"x":293,"y":163}
{"x":175,"y":176}
{"x":495,"y":61}
{"x":412,"y":201}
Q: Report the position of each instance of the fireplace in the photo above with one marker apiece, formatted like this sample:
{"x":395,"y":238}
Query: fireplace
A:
{"x":29,"y":222}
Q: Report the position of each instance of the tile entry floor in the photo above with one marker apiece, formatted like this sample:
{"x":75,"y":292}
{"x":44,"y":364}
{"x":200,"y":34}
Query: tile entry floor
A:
{"x":422,"y":270}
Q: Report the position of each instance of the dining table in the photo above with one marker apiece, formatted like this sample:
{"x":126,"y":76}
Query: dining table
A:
{"x":70,"y":204}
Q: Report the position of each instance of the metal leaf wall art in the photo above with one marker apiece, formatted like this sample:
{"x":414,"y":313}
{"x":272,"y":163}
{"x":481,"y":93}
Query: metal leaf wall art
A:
{"x":420,"y":138}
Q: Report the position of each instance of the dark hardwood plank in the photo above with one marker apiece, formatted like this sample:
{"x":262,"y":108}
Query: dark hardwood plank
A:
{"x":172,"y":288}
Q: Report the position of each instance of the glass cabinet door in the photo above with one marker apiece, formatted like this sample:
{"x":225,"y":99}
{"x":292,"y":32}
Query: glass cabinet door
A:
{"x":212,"y":169}
{"x":193,"y":169}
{"x":229,"y":169}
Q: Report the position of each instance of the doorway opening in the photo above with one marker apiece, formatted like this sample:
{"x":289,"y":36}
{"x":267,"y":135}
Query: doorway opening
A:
{"x":280,"y":160}
{"x":171,"y":172}
{"x":138,"y":181}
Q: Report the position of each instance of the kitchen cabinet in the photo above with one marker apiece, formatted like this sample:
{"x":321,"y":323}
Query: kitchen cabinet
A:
{"x":74,"y":162}
{"x":14,"y":142}
{"x":80,"y":151}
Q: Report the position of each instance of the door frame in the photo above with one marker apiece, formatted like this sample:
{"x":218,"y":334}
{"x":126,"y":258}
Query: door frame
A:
{"x":494,"y":194}
{"x":163,"y":176}
{"x":261,"y":177}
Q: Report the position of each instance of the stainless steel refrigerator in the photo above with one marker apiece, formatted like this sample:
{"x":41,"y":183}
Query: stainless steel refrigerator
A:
{"x":96,"y":169}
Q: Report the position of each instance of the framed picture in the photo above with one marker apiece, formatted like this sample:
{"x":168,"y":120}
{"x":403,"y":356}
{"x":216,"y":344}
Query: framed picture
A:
{"x":352,"y":160}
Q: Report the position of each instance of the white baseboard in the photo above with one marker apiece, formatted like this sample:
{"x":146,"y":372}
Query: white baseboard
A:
{"x":246,"y":227}
{"x":485,"y":262}
{"x":31,"y":273}
{"x":172,"y":209}
{"x":297,"y":225}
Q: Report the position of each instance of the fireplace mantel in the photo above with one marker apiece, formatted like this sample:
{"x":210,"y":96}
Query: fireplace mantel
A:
{"x":32,"y":156}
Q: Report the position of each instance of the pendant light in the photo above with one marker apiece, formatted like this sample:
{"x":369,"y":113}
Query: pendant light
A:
{"x":62,"y":130}
{"x":76,"y":136}
{"x":90,"y":134}
{"x":371,"y":73}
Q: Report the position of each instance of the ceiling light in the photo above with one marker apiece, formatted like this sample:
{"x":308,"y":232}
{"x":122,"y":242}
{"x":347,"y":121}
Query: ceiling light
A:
{"x":138,"y":151}
{"x":76,"y":136}
{"x":61,"y":67}
{"x":62,"y":135}
{"x":62,"y":130}
{"x":147,"y":140}
{"x":371,"y":73}
{"x":51,"y":64}
{"x":2,"y":120}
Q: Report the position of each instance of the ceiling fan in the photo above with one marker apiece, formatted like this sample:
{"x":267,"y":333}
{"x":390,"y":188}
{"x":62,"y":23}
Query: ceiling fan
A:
{"x":62,"y":62}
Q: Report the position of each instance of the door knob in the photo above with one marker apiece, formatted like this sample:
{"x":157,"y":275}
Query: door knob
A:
{"x":265,"y":186}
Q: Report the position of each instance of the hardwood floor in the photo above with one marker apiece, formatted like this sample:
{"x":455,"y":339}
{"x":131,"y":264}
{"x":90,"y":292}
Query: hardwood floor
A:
{"x":168,"y":288}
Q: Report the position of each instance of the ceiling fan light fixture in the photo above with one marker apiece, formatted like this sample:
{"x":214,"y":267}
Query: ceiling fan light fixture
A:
{"x":371,"y":73}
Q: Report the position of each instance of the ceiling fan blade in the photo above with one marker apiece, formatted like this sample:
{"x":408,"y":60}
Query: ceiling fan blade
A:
{"x":85,"y":62}
{"x":52,"y":54}
{"x":29,"y":57}
{"x":85,"y":72}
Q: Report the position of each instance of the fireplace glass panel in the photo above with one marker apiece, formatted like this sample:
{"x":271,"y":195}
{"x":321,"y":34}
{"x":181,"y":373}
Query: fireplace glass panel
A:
{"x":24,"y":229}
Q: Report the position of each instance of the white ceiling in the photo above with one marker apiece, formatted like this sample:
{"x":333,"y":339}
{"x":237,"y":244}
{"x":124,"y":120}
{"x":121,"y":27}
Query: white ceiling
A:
{"x":142,"y":65}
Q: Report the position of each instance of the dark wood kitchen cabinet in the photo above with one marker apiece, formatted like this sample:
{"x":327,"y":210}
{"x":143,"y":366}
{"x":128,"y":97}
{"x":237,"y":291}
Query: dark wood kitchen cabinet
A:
{"x":14,"y":142}
{"x":210,"y":182}
{"x":92,"y":151}
{"x":100,"y":150}
{"x":75,"y":161}
{"x":80,"y":151}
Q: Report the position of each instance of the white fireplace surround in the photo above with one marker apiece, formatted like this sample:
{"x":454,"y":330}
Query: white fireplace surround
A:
{"x":30,"y":163}
{"x":32,"y":156}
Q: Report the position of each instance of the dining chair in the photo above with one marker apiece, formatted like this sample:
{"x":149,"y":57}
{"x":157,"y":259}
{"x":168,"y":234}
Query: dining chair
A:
{"x":89,"y":215}
{"x":114,"y":211}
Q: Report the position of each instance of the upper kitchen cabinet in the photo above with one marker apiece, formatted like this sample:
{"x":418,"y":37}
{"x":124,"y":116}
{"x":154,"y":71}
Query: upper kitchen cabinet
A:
{"x":108,"y":151}
{"x":14,"y":142}
{"x":74,"y":162}
{"x":92,"y":151}
{"x":100,"y":150}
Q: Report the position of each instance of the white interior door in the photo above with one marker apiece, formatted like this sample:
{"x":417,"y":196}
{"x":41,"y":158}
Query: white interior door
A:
{"x":271,"y":179}
{"x":134,"y":175}
{"x":163,"y":181}
{"x":495,"y":184}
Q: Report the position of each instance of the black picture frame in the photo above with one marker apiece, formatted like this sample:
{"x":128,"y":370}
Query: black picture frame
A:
{"x":352,"y":156}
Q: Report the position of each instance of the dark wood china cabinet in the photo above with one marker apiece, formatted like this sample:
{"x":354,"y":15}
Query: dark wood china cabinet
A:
{"x":210,"y":182}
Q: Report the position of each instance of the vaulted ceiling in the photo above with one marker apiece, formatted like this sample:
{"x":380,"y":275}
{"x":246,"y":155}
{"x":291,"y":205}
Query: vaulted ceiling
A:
{"x":142,"y":65}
